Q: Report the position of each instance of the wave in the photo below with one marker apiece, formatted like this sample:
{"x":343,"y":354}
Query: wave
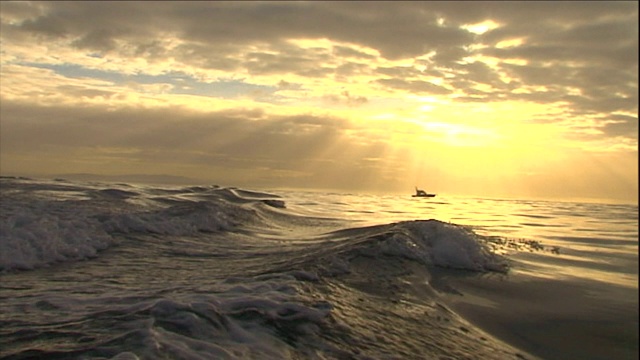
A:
{"x":198,"y":272}
{"x":214,"y":272}
{"x":41,"y":224}
{"x":264,"y":317}
{"x":44,"y":222}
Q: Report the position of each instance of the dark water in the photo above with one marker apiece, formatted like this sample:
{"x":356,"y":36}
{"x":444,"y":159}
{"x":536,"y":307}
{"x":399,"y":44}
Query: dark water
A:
{"x":123,"y":271}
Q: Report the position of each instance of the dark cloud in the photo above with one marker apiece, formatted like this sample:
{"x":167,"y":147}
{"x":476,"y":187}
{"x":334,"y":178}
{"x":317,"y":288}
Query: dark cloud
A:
{"x":481,"y":73}
{"x":213,"y":34}
{"x":99,"y":25}
{"x":346,"y":98}
{"x":243,"y":139}
{"x":622,"y":125}
{"x":347,"y":52}
{"x":402,"y":72}
{"x":416,"y":86}
{"x":627,"y":130}
{"x":346,"y":70}
{"x":290,"y":60}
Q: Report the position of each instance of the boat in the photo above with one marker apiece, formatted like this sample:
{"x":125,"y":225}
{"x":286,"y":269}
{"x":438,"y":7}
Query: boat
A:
{"x":422,"y":193}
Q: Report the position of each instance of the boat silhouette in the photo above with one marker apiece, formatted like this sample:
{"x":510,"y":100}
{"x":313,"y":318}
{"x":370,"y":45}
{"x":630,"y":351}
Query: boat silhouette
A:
{"x":422,"y":193}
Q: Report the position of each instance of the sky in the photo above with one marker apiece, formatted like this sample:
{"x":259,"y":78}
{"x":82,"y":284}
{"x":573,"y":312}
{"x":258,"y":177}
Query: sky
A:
{"x":497,"y":99}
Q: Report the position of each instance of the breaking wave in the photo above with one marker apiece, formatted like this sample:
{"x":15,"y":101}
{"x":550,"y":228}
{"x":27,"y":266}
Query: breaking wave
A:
{"x":213,"y":272}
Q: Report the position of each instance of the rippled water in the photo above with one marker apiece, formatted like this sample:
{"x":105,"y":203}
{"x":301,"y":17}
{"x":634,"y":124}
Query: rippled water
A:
{"x":96,"y":270}
{"x":582,"y":285}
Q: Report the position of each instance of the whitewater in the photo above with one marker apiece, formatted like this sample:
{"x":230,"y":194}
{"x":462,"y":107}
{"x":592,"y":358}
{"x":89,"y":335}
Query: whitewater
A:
{"x":95,"y":270}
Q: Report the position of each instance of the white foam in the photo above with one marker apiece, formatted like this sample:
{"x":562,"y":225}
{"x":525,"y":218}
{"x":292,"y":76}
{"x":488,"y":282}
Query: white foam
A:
{"x":442,"y":244}
{"x":127,"y":355}
{"x":35,"y":238}
{"x":55,"y":231}
{"x":234,"y":324}
{"x":39,"y":227}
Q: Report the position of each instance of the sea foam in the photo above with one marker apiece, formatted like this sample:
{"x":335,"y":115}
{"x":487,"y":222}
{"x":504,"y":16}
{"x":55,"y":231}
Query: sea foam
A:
{"x":454,"y":246}
{"x":35,"y":236}
{"x":436,"y":243}
{"x":42,"y":223}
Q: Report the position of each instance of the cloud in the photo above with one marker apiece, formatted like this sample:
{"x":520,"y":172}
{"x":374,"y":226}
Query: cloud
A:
{"x":346,"y":98}
{"x":216,"y":36}
{"x":414,"y":86}
{"x":241,"y":84}
{"x":622,"y":125}
{"x":240,"y":139}
{"x":99,"y":26}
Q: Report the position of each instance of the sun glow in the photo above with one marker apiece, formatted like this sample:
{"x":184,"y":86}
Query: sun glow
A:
{"x":482,"y":27}
{"x":510,"y":43}
{"x":458,"y":134}
{"x":326,"y":104}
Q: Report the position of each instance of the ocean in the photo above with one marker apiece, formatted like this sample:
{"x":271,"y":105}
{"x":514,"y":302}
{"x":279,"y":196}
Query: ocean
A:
{"x":95,"y":270}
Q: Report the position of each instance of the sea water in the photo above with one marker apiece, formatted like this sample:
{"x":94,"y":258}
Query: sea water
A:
{"x":95,"y":270}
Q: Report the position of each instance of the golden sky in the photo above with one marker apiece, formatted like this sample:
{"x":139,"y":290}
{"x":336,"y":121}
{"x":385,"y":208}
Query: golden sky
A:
{"x":507,"y":99}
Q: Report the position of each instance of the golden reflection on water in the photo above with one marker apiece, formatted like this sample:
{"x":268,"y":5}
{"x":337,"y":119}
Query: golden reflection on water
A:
{"x":595,"y":241}
{"x":549,"y":269}
{"x":515,"y":218}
